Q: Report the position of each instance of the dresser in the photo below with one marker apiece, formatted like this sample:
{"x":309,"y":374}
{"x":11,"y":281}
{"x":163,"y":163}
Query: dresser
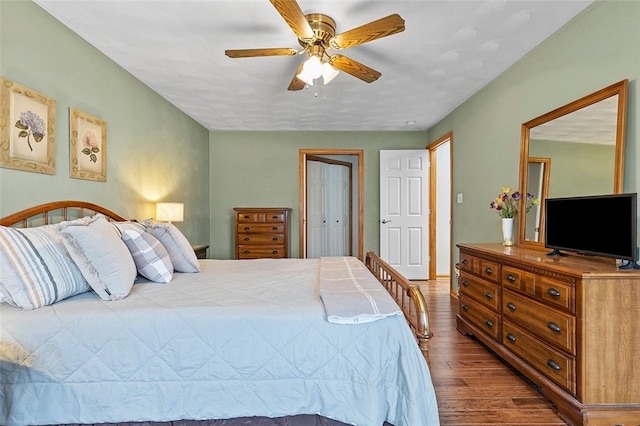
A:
{"x":569,"y":324}
{"x":262,"y":232}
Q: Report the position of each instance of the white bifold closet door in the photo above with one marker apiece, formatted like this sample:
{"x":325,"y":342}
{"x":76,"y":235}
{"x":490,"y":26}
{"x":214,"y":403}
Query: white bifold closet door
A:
{"x":327,"y":209}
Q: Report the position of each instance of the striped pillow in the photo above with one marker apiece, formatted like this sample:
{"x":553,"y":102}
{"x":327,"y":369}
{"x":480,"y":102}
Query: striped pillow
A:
{"x":36,"y":269}
{"x":180,"y":251}
{"x":151,"y":258}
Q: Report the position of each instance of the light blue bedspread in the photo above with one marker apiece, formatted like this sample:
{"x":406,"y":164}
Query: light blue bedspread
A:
{"x":239,"y":339}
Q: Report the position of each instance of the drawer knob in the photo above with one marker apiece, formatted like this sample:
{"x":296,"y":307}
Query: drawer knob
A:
{"x":275,"y":252}
{"x":274,"y":239}
{"x":488,"y":295}
{"x":247,"y":252}
{"x":274,"y":217}
{"x":551,"y":363}
{"x":465,"y":283}
{"x":511,"y":337}
{"x":247,"y":239}
{"x":465,"y":262}
{"x":246,"y":228}
{"x":247,"y":216}
{"x":275,"y":228}
{"x":488,"y":271}
{"x":488,"y":323}
{"x":511,"y":306}
{"x":511,"y":278}
{"x":465,"y":308}
{"x":553,"y":292}
{"x":554,"y":327}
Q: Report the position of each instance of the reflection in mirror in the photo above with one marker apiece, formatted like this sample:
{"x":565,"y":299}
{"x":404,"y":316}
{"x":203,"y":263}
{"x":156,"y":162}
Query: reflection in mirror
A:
{"x":584,"y":141}
{"x":538,"y":186}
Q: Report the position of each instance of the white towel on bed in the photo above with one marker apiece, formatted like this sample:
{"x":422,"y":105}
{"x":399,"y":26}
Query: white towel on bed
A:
{"x":351,"y":294}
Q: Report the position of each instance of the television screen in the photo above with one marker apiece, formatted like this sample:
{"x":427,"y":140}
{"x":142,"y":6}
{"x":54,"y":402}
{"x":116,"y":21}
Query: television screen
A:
{"x":602,"y":225}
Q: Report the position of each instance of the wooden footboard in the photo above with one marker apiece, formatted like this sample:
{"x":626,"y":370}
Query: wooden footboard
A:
{"x":408,"y":296}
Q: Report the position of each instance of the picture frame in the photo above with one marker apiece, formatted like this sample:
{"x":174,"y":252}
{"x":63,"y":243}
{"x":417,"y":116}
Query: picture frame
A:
{"x":87,"y":146}
{"x":27,"y":129}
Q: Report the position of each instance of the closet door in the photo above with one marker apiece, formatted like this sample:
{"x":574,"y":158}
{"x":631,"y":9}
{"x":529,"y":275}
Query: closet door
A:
{"x":338,"y":210}
{"x":316,"y":218}
{"x":328,"y":198}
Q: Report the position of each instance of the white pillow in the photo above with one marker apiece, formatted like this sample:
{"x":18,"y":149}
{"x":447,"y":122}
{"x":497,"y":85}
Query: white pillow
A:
{"x":103,"y":258}
{"x":180,"y":251}
{"x":150,"y":256}
{"x":35,"y":268}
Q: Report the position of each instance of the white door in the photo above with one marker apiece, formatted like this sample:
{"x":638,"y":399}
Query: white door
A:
{"x":328,"y":194}
{"x":404,"y":211}
{"x":316,"y":219}
{"x":338,"y":210}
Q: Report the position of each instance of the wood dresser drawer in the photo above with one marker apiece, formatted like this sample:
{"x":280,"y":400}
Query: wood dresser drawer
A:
{"x":482,"y":291}
{"x":558,"y":367}
{"x":262,"y":228}
{"x":555,"y":326}
{"x":486,"y":269}
{"x":262,"y":232}
{"x":545,"y":289}
{"x":258,"y":252}
{"x":480,"y":316}
{"x":273,"y":239}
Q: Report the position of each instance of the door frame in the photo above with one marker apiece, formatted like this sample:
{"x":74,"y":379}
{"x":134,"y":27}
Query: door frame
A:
{"x":302,"y":191}
{"x":433,"y":185}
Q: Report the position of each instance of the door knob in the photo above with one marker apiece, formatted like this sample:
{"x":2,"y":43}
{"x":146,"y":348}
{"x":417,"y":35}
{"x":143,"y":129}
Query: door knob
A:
{"x":385,"y":221}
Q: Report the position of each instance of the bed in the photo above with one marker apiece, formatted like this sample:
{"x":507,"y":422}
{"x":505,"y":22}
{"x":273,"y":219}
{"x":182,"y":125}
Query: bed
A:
{"x":247,"y":342}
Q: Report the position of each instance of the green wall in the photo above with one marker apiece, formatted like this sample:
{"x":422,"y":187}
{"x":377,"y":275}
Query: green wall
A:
{"x":154,"y":151}
{"x":576,"y":168}
{"x":597,"y":48}
{"x":261,"y":169}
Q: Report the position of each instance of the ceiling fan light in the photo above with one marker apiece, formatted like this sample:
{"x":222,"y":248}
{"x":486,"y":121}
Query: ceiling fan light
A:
{"x":304,"y":76}
{"x":328,"y":72}
{"x":312,"y":67}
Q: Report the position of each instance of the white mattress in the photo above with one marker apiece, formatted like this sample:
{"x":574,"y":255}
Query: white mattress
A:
{"x":241,"y":338}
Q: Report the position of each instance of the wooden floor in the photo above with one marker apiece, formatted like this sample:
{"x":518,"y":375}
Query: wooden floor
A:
{"x":472,"y":385}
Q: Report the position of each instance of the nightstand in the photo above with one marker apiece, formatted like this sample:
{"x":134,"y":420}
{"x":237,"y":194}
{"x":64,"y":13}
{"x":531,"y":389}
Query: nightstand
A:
{"x":200,"y":250}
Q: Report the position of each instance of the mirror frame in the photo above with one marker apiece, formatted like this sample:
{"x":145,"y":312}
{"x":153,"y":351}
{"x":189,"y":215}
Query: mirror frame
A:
{"x":621,"y":89}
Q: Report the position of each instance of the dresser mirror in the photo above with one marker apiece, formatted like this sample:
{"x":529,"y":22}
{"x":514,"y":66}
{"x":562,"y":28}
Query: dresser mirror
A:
{"x":574,"y":150}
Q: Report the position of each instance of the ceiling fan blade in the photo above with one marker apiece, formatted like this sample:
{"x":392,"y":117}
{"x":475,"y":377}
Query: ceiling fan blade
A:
{"x":250,"y":53}
{"x":296,"y":83}
{"x":374,"y":30}
{"x":294,"y":17}
{"x":354,"y":68}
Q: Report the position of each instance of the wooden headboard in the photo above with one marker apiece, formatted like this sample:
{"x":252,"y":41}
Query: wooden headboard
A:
{"x":55,"y":212}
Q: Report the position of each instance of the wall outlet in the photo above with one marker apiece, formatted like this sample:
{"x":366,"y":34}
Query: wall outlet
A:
{"x":460,"y":198}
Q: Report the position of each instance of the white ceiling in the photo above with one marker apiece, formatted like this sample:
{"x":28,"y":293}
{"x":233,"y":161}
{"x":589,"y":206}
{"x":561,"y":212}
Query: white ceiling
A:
{"x":449,"y":50}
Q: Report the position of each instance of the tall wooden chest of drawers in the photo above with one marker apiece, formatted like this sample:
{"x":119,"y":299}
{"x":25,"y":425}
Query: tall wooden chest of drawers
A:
{"x":570,"y":324}
{"x":262,"y":232}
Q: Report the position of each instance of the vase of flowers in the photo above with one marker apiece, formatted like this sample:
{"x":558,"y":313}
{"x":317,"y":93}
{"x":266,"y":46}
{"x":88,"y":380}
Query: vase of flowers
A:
{"x":506,"y":205}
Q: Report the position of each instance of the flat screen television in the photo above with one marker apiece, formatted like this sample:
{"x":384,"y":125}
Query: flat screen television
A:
{"x":599,"y":225}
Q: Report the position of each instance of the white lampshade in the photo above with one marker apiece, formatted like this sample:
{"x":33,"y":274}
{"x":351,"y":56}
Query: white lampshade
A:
{"x":328,"y":72}
{"x":170,"y":212}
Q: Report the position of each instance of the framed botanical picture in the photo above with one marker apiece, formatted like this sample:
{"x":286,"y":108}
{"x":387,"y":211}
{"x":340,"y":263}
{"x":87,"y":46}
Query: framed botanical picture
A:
{"x":27,"y":129}
{"x":88,"y":146}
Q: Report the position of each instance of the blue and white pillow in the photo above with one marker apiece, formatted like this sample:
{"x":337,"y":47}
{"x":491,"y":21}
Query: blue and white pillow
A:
{"x":36,"y":269}
{"x":151,"y":258}
{"x":180,"y":251}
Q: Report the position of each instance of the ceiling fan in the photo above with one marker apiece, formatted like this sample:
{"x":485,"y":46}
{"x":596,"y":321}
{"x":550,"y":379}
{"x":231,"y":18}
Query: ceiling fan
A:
{"x":316,"y":33}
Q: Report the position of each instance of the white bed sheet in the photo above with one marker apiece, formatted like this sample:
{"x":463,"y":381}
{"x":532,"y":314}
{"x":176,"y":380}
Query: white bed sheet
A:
{"x":240,"y":339}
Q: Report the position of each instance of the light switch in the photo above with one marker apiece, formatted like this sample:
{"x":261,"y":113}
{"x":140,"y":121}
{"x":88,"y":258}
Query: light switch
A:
{"x":460,"y":198}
